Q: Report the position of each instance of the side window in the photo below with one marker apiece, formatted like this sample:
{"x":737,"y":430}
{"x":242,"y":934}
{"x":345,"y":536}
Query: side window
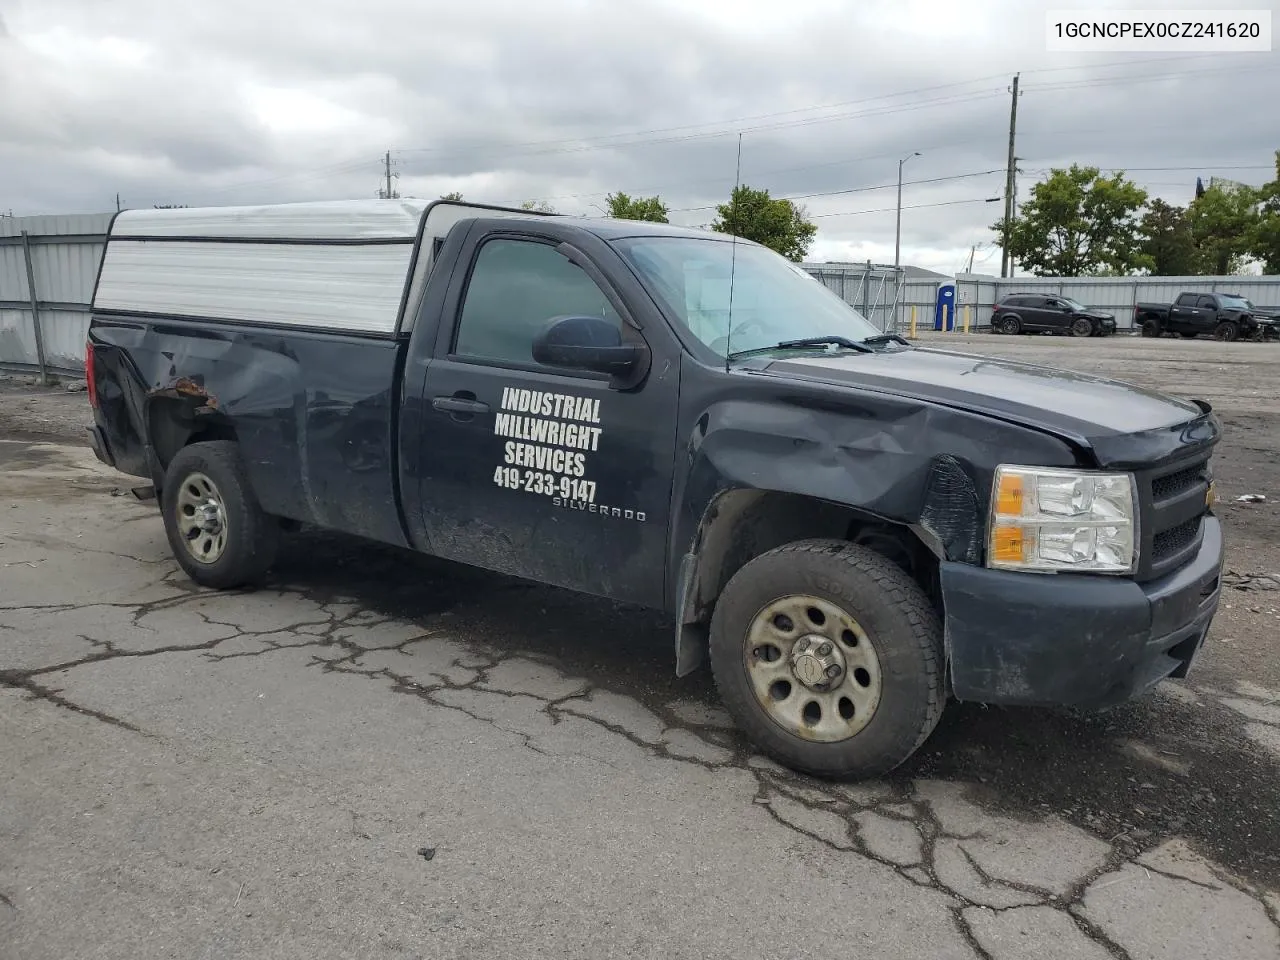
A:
{"x":516,"y":287}
{"x":1208,"y":303}
{"x":1186,"y":300}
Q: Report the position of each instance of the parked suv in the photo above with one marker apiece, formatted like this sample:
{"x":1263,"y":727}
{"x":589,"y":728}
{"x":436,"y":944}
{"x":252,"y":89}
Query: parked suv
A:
{"x":1039,"y":313}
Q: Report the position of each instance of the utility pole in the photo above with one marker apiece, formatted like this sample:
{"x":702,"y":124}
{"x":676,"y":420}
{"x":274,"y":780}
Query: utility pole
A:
{"x":117,"y":203}
{"x":1010,"y":183}
{"x":972,"y":250}
{"x":388,"y":193}
{"x":897,"y":233}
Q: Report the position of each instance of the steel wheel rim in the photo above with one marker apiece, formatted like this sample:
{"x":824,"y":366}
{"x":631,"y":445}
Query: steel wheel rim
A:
{"x":783,"y":644}
{"x":202,"y":518}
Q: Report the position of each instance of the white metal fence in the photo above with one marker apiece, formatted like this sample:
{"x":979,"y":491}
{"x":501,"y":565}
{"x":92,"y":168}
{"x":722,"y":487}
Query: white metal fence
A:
{"x":47,"y":269}
{"x":976,"y":294}
{"x":1115,"y":295}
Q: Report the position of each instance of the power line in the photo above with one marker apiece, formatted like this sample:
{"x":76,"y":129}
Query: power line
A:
{"x":1144,"y":78}
{"x":760,"y":175}
{"x":641,"y":138}
{"x":836,"y":193}
{"x":914,"y":206}
{"x":816,"y":107}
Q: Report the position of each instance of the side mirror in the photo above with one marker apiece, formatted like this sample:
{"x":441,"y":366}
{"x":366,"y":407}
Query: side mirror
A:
{"x":587,"y":343}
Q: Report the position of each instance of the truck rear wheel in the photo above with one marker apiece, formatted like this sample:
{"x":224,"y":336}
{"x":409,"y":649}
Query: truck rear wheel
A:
{"x":829,"y":657}
{"x":1151,"y":328}
{"x":218,"y":533}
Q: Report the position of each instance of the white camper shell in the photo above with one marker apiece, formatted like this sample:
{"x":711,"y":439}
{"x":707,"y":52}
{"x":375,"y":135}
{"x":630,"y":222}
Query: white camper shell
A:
{"x":356,"y":266}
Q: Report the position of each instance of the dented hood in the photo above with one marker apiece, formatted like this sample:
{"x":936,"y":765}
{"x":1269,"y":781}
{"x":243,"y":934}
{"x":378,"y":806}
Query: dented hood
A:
{"x":1118,"y":420}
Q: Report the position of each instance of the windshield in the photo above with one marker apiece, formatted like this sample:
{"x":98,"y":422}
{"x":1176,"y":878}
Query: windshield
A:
{"x":1234,"y":303}
{"x":773,"y":299}
{"x":1073,"y":304}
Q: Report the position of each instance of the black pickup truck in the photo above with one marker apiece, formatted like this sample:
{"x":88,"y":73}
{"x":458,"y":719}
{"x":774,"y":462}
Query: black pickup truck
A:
{"x":1226,"y":316}
{"x":854,"y":529}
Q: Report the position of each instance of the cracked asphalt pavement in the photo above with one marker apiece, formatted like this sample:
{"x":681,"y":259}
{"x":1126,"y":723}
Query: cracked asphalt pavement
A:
{"x":382,"y":755}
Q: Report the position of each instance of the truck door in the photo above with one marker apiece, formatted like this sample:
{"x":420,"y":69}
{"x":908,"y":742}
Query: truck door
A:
{"x":534,"y":471}
{"x":1206,"y":313}
{"x":1184,"y":314}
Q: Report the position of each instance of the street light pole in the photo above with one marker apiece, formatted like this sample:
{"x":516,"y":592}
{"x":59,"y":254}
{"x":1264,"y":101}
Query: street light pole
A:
{"x":897,"y":233}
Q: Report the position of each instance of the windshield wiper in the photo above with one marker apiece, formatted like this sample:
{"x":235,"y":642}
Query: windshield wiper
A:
{"x":887,"y":338}
{"x":807,"y":342}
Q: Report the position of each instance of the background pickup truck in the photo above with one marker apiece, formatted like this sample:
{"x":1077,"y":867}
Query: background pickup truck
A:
{"x":854,"y":529}
{"x":1226,"y":316}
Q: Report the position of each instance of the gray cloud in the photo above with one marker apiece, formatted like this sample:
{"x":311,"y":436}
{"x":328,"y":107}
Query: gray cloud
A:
{"x":245,"y":101}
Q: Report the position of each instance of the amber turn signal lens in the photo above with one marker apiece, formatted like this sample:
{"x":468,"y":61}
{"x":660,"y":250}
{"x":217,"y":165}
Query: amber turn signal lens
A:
{"x":1009,"y":498}
{"x":1008,"y":544}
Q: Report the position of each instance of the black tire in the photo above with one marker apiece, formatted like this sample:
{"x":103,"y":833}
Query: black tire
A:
{"x":900,"y":623}
{"x":251,"y":536}
{"x":1080,"y":327}
{"x":1151,"y":328}
{"x":1227,"y":331}
{"x":1010,"y":326}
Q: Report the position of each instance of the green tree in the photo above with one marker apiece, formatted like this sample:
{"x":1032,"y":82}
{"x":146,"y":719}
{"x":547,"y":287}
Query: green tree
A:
{"x":452,"y":195}
{"x":637,"y":208}
{"x":539,"y":206}
{"x":777,"y":224}
{"x":1167,"y":241}
{"x":1265,"y":240}
{"x":1078,"y":223}
{"x":1224,"y":222}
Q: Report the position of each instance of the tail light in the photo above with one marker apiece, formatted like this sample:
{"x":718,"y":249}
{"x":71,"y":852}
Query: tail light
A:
{"x":90,"y":380}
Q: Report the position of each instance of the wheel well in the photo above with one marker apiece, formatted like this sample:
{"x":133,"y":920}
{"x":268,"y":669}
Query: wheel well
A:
{"x":746,"y":523}
{"x":175,"y":423}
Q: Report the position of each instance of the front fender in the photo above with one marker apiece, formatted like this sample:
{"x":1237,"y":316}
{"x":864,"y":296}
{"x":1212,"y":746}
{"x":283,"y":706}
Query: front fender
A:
{"x":842,"y":455}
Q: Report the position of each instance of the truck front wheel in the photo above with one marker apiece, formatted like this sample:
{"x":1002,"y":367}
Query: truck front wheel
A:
{"x":1226,"y":330}
{"x":218,"y":533}
{"x":829,"y":657}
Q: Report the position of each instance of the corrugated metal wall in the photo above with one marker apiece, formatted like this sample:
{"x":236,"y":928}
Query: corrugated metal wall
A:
{"x":64,"y":253}
{"x":979,"y":293}
{"x":1115,"y":295}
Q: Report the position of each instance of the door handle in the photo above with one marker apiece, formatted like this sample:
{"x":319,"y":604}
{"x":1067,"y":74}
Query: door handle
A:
{"x":459,"y":405}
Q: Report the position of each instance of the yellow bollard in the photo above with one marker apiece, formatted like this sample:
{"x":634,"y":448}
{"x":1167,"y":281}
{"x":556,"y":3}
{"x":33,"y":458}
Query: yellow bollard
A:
{"x":913,"y":322}
{"x":968,"y":312}
{"x":946,"y":317}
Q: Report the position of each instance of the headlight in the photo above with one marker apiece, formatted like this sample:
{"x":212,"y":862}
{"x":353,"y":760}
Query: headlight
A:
{"x":1048,"y":520}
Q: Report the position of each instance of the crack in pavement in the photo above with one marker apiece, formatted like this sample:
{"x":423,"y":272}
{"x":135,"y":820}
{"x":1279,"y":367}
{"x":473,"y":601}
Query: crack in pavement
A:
{"x":897,"y":803}
{"x":14,"y":680}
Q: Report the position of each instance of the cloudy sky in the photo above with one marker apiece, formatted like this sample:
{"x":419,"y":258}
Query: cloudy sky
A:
{"x":248,"y":101}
